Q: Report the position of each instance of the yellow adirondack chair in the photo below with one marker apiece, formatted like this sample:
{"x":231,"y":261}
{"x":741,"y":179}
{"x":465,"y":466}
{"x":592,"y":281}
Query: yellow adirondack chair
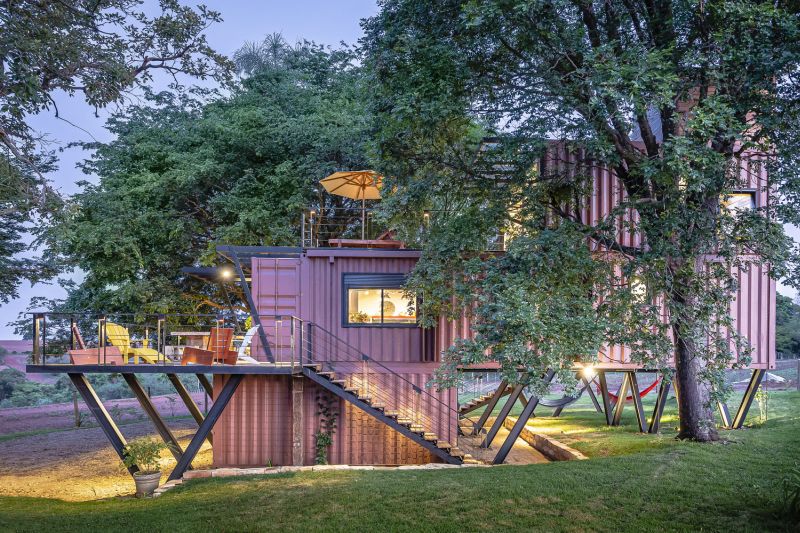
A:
{"x":118,"y":336}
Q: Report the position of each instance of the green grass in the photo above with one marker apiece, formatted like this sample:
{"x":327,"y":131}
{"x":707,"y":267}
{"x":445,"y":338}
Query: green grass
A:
{"x":633,"y":482}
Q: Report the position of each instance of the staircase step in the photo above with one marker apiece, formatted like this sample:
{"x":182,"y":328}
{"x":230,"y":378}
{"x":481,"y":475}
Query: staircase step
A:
{"x":430,"y":437}
{"x":416,"y":428}
{"x":313,"y":366}
{"x":444,"y":445}
{"x":379,"y":406}
{"x":340,"y":382}
{"x":455,"y":452}
{"x":329,"y":375}
{"x":391,"y":413}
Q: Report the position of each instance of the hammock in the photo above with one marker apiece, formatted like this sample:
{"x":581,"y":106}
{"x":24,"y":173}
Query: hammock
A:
{"x":628,"y":398}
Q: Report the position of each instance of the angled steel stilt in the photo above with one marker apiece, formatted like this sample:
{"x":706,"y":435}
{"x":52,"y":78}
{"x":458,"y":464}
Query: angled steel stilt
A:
{"x":747,"y":400}
{"x":641,"y":418}
{"x":724,"y":414}
{"x":99,"y":411}
{"x":204,"y":431}
{"x":601,"y":376}
{"x":206,"y":385}
{"x":620,"y":403}
{"x":513,"y":435}
{"x":148,"y":407}
{"x":658,"y":410}
{"x":592,"y":395}
{"x":188,"y":401}
{"x":498,"y":393}
{"x":501,"y":417}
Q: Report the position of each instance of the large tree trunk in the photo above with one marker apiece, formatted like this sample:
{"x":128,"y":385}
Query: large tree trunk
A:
{"x":694,"y":398}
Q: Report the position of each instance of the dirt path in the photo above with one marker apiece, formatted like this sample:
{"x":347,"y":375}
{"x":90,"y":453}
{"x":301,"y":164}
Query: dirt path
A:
{"x":62,"y":415}
{"x":79,"y":464}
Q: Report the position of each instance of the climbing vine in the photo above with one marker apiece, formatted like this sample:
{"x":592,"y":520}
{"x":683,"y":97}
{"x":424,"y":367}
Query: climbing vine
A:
{"x":323,"y":438}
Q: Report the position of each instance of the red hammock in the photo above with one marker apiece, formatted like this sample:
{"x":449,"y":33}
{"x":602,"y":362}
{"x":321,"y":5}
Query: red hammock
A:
{"x":642,"y":393}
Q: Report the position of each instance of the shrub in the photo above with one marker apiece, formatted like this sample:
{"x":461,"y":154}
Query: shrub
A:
{"x":791,"y":492}
{"x":144,"y":453}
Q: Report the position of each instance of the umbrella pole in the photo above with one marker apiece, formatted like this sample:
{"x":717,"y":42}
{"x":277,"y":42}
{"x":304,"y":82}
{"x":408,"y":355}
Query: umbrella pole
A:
{"x":363,"y":215}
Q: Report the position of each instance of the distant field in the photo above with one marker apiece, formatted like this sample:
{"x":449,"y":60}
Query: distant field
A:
{"x":633,"y":482}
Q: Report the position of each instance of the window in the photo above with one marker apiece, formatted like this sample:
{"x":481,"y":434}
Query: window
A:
{"x":377,"y":300}
{"x":739,"y":201}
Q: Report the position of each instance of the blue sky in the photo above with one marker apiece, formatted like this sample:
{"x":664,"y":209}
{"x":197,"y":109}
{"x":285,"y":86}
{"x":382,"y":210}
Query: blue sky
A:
{"x":325,"y":22}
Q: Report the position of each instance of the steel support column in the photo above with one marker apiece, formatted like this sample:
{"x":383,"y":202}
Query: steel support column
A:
{"x":513,"y":435}
{"x":747,"y":400}
{"x":498,"y":393}
{"x":724,"y":414}
{"x":620,"y":403}
{"x":501,"y":417}
{"x":206,"y":385}
{"x":204,"y":431}
{"x":637,"y":402}
{"x":588,"y":383}
{"x":658,"y":410}
{"x":188,"y":401}
{"x":101,"y":415}
{"x":148,"y":407}
{"x":601,"y":376}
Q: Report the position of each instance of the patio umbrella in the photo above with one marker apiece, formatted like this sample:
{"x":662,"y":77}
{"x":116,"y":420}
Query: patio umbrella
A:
{"x":356,"y":184}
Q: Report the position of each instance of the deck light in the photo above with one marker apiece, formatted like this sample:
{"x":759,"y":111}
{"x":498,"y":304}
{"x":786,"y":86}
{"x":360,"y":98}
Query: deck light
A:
{"x":588,"y":372}
{"x":225,"y":273}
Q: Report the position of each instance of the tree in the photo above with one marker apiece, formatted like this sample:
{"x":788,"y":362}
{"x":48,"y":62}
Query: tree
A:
{"x":678,"y":98}
{"x":102,"y":50}
{"x":184,"y":175}
{"x":787,"y":328}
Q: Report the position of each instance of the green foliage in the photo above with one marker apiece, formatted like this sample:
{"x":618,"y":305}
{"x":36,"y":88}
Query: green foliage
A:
{"x":9,"y":379}
{"x":323,"y":438}
{"x":100,"y":50}
{"x":662,"y":93}
{"x":183,"y":175}
{"x":144,"y":453}
{"x":787,"y":328}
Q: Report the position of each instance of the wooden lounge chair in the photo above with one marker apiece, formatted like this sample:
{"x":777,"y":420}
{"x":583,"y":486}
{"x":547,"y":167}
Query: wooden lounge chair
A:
{"x":110,"y":355}
{"x":118,"y":336}
{"x":218,"y":349}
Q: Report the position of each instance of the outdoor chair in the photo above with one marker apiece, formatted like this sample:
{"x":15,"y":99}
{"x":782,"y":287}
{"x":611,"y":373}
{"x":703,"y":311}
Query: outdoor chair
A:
{"x":217,"y":350}
{"x":246,"y":342}
{"x":119,"y":337}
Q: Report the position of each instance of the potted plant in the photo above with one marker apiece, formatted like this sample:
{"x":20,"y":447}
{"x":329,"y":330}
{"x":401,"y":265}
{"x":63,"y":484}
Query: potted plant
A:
{"x":145,"y":454}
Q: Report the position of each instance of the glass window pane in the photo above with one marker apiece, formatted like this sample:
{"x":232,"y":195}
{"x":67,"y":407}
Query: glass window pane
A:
{"x":740,"y":201}
{"x":397,"y":309}
{"x":364,"y":306}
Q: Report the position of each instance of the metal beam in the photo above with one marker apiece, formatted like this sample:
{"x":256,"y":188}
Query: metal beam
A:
{"x":501,"y":417}
{"x":747,"y":400}
{"x":188,"y":401}
{"x":498,"y":393}
{"x":658,"y":410}
{"x":601,"y":376}
{"x":101,"y":415}
{"x":513,"y":435}
{"x":592,"y":395}
{"x":256,"y":319}
{"x":637,"y":402}
{"x":724,"y":414}
{"x":206,"y":385}
{"x":148,"y":407}
{"x":620,"y":403}
{"x":204,"y":431}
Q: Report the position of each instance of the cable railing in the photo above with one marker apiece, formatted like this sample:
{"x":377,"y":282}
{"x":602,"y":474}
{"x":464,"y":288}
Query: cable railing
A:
{"x":383,"y":386}
{"x":332,"y":227}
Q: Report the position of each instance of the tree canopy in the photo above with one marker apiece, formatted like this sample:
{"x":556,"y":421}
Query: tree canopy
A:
{"x":101,"y":50}
{"x":183,"y":175}
{"x":672,"y":96}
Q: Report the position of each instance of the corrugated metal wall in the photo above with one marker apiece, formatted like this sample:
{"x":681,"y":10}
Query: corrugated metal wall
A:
{"x":256,"y":427}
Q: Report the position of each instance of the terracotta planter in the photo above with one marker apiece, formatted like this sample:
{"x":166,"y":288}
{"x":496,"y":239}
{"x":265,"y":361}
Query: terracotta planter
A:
{"x":146,"y":483}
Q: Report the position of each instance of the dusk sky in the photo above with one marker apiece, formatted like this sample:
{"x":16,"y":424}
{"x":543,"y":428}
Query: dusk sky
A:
{"x":324,"y":22}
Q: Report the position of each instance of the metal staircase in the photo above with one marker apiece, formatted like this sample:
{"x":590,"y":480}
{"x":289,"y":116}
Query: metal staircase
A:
{"x":377,"y":390}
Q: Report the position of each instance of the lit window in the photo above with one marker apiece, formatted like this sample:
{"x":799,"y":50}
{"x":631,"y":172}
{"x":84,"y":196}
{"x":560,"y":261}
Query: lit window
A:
{"x":377,"y":300}
{"x":739,"y":201}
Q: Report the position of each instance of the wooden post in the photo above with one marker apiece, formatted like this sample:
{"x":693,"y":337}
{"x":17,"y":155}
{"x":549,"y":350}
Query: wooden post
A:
{"x":76,"y":409}
{"x":297,"y":420}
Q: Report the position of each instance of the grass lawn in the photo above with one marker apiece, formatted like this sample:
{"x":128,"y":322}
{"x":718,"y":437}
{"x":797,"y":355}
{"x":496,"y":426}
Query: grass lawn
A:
{"x":633,"y":482}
